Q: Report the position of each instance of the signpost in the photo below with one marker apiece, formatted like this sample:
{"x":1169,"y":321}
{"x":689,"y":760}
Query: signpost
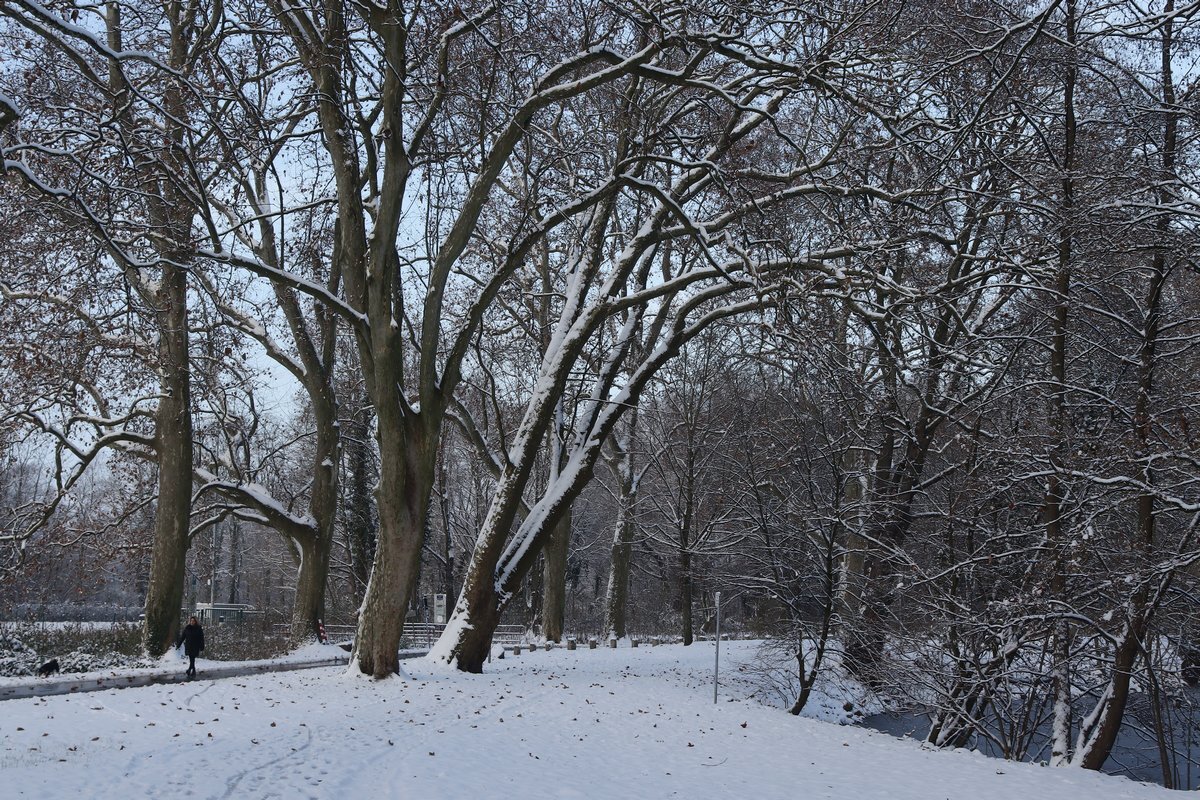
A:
{"x":717,"y":666}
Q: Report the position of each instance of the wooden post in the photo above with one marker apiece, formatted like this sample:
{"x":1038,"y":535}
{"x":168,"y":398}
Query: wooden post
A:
{"x":516,"y":649}
{"x":633,"y":642}
{"x":612,"y":643}
{"x":591,"y":644}
{"x":570,"y":644}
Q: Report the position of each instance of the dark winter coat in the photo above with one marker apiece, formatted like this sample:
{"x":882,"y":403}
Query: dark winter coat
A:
{"x":192,"y":639}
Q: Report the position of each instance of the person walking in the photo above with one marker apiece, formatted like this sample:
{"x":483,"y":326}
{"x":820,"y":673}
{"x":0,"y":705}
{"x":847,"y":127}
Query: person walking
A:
{"x":192,"y":639}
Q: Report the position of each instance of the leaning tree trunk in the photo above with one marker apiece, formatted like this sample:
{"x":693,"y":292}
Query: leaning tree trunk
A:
{"x":467,"y":640}
{"x":475,"y":628}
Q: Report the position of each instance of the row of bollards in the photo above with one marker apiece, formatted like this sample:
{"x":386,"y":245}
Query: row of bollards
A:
{"x":571,"y":644}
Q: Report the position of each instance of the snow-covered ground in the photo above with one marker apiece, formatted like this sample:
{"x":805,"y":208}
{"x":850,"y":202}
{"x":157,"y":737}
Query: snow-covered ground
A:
{"x":584,"y":724}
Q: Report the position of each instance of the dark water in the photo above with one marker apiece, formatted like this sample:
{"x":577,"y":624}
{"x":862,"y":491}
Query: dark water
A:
{"x":1135,"y":754}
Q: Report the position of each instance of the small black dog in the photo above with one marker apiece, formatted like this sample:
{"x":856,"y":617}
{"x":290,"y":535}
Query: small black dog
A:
{"x":49,"y":668}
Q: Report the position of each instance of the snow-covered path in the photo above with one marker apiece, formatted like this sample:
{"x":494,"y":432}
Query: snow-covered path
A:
{"x":582,"y":724}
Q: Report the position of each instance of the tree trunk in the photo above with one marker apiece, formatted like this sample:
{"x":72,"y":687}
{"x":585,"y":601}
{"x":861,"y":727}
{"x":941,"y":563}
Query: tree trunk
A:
{"x":473,"y":644}
{"x":1098,"y":733}
{"x":466,"y":642}
{"x":403,"y":495}
{"x":854,"y":563}
{"x":170,"y":216}
{"x":313,"y":575}
{"x":617,"y":598}
{"x":554,"y":579}
{"x":685,"y":591}
{"x":173,"y":441}
{"x":1056,"y":493}
{"x":235,"y":561}
{"x":361,"y":531}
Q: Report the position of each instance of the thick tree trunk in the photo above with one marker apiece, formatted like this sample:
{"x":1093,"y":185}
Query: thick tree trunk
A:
{"x":554,"y":579}
{"x":467,"y":639}
{"x":312,"y":577}
{"x":475,"y":629}
{"x":170,"y":216}
{"x":173,"y":440}
{"x":405,"y":487}
{"x":864,"y":647}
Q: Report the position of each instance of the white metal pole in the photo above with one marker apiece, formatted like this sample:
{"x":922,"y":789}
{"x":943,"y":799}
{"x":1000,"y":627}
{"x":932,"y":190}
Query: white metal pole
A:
{"x":717,"y":666}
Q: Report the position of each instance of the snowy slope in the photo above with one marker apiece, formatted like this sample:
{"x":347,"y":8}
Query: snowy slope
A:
{"x":584,"y":724}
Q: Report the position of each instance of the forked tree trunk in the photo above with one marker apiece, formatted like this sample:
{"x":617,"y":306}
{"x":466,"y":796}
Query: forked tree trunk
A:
{"x":403,"y":495}
{"x":474,"y":641}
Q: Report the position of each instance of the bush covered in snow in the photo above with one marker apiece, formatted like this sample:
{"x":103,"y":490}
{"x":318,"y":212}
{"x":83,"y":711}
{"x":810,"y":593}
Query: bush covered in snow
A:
{"x":77,"y":647}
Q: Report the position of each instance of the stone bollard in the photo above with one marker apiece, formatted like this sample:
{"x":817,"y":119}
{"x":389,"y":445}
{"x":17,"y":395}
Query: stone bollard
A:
{"x":516,"y":649}
{"x":549,"y":645}
{"x":633,"y":643}
{"x":570,"y":644}
{"x":612,"y":643}
{"x":591,"y":644}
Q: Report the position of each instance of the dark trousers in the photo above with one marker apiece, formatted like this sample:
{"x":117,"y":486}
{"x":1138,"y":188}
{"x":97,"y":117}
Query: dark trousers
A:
{"x":191,"y":670}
